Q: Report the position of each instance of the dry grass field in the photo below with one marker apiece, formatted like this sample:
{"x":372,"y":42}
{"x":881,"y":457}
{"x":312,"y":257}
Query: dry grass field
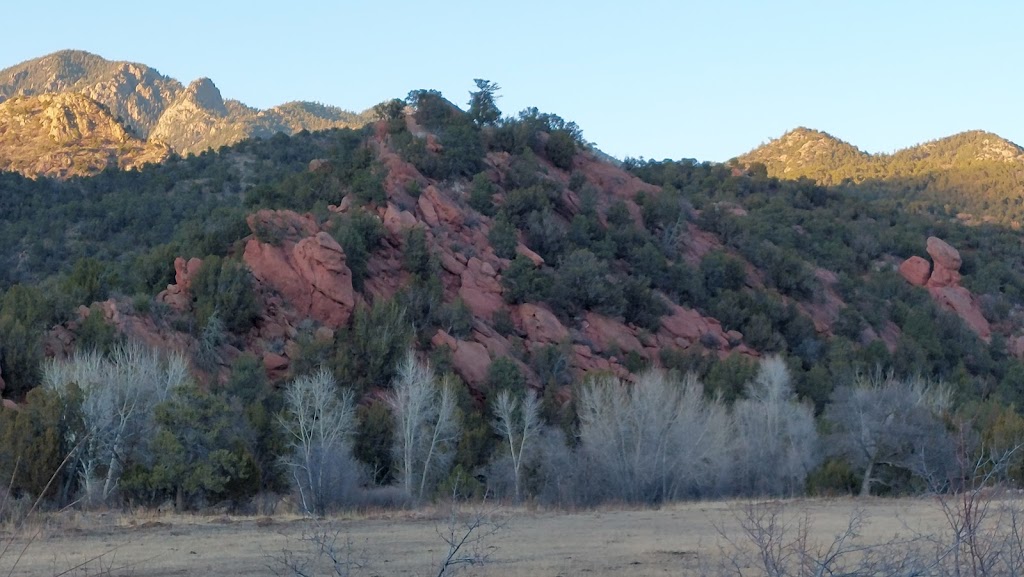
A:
{"x":672,"y":540}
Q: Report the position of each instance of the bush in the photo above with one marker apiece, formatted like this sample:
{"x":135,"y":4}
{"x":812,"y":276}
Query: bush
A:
{"x":502,"y":237}
{"x":560,"y":149}
{"x":481,"y":195}
{"x":581,"y":282}
{"x":359,"y":233}
{"x":224,"y":287}
{"x":523,"y":282}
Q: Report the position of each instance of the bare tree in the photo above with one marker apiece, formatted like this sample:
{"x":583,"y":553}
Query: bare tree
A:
{"x":319,"y":424}
{"x":426,"y":427}
{"x":776,"y":434}
{"x":518,"y":423}
{"x":655,"y":440}
{"x":881,"y":420}
{"x":118,"y":395}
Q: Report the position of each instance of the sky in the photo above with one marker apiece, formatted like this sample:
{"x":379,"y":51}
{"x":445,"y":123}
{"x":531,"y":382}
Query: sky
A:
{"x":645,"y":78}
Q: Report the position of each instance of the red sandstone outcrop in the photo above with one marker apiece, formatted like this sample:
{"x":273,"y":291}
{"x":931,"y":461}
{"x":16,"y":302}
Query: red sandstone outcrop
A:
{"x":480,"y":289}
{"x":177,"y":295}
{"x":470,"y":359}
{"x":943,"y":283}
{"x":310,"y":275}
{"x":540,"y":325}
{"x":607,"y":334}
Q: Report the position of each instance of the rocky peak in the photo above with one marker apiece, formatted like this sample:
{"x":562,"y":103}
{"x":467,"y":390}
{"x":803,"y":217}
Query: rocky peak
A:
{"x":204,"y":94}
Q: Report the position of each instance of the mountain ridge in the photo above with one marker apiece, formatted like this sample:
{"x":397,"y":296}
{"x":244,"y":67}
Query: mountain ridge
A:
{"x":151,"y":106}
{"x":975,"y":175}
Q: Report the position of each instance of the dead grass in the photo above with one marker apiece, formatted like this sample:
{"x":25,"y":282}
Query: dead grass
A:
{"x":606,"y":541}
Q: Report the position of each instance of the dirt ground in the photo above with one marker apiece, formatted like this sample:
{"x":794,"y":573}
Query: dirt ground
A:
{"x":665,"y":541}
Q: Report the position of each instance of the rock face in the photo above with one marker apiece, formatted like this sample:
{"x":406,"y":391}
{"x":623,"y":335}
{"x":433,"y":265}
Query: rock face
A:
{"x":64,"y":135}
{"x":157,"y":112}
{"x":942,"y":279}
{"x":310,"y":275}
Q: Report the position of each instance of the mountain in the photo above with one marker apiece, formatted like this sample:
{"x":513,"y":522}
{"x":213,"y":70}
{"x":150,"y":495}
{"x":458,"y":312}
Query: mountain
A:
{"x":153,"y":107}
{"x":67,"y":135}
{"x":974,"y":176}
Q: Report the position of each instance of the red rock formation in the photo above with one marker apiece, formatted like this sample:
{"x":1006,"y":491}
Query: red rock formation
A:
{"x":177,"y":295}
{"x":916,"y":270}
{"x":943,"y":254}
{"x":965,"y":305}
{"x":276,"y":365}
{"x":540,"y":325}
{"x":944,"y":284}
{"x":480,"y":288}
{"x":605,"y":334}
{"x":310,"y":275}
{"x":470,"y":359}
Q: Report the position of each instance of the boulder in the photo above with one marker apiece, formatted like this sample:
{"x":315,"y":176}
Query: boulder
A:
{"x":540,"y":325}
{"x":915,"y":270}
{"x":320,"y":165}
{"x":943,"y":254}
{"x":470,"y":359}
{"x":397,"y":221}
{"x":443,"y":207}
{"x":606,"y":334}
{"x":685,"y":324}
{"x":276,"y":365}
{"x":535,"y":258}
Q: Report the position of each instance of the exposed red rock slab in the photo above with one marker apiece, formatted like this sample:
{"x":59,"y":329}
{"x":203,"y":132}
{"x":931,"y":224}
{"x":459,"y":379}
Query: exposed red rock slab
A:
{"x":540,"y":325}
{"x":606,"y":334}
{"x":965,"y":305}
{"x":470,"y":359}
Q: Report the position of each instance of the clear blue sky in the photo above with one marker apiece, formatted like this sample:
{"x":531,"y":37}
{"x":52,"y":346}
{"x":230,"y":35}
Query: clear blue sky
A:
{"x":659,"y":79}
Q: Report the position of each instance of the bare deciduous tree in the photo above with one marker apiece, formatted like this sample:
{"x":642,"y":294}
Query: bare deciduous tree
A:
{"x":426,"y":427}
{"x":118,"y":395}
{"x":881,"y":420}
{"x":518,"y":423}
{"x":319,"y":423}
{"x":776,"y":440}
{"x":654,"y":440}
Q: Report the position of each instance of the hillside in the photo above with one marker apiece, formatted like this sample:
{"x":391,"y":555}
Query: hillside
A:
{"x":511,"y":258}
{"x":973,"y":176}
{"x":153,"y":107}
